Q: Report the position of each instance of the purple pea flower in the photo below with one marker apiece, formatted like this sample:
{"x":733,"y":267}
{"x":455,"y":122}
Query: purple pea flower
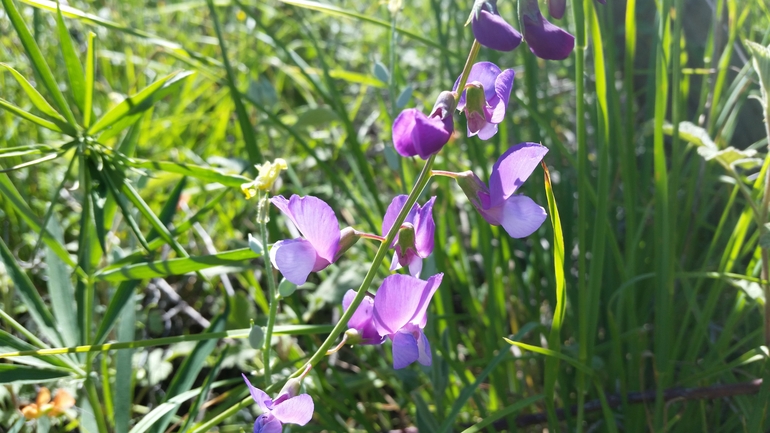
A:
{"x":414,"y":133}
{"x":415,"y":239}
{"x":491,"y":30}
{"x":556,"y":8}
{"x":362,"y":320}
{"x":286,"y":409}
{"x":297,"y":258}
{"x":545,"y":40}
{"x":401,"y":313}
{"x":519,"y":215}
{"x":484,"y":113}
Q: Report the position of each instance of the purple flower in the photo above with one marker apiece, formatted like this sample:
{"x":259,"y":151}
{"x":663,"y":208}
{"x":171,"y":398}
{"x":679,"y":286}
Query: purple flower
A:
{"x":492,"y":31}
{"x":483,"y":114}
{"x":519,"y":215}
{"x":286,"y":409}
{"x":401,"y":313}
{"x":414,"y":133}
{"x":363,"y":319}
{"x":415,"y":240}
{"x":297,"y":258}
{"x":545,"y":39}
{"x":557,"y":7}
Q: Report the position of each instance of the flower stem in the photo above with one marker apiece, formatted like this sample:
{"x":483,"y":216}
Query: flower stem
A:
{"x":420,"y":184}
{"x":468,"y":64}
{"x":262,"y":218}
{"x":451,"y":174}
{"x":763,"y":219}
{"x":370,"y":236}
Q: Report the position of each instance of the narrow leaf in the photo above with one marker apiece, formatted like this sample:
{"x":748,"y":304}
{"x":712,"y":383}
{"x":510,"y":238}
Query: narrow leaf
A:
{"x":203,"y":173}
{"x":90,"y":74}
{"x":18,"y":374}
{"x":34,"y":96}
{"x":71,"y":61}
{"x":178,"y":266}
{"x":38,"y":61}
{"x":28,"y":116}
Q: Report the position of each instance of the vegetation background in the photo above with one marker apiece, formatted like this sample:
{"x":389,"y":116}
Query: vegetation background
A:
{"x":146,"y":229}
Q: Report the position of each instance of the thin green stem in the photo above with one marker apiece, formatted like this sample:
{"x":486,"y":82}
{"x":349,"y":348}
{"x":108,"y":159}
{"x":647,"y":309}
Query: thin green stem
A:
{"x":262,"y":217}
{"x":763,"y":220}
{"x":370,"y":236}
{"x":96,"y":405}
{"x":468,"y":64}
{"x":451,"y":174}
{"x":420,"y":184}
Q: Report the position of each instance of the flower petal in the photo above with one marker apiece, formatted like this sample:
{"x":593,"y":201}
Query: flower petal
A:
{"x":484,"y":73}
{"x":267,"y":423}
{"x":398,"y":300}
{"x":405,"y":350}
{"x":503,"y":86}
{"x":557,"y":7}
{"x":415,"y":267}
{"x":426,"y":358}
{"x":546,"y":40}
{"x":394,"y":208}
{"x":295,"y":258}
{"x":424,"y":229}
{"x":492,"y":31}
{"x":487,"y":131}
{"x":512,"y":169}
{"x":430,"y":134}
{"x":421,"y":316}
{"x":402,"y":132}
{"x":363,"y":314}
{"x":521,"y":216}
{"x":296,"y":410}
{"x":318,"y":224}
{"x":259,"y":396}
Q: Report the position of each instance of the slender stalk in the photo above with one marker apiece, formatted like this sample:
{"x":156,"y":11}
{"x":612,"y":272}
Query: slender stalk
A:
{"x":96,"y":405}
{"x":451,"y":174}
{"x":370,"y":236}
{"x":763,"y":219}
{"x":468,"y":64}
{"x":262,"y":217}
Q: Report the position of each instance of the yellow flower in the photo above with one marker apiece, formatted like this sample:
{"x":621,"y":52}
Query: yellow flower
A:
{"x":268,"y":174}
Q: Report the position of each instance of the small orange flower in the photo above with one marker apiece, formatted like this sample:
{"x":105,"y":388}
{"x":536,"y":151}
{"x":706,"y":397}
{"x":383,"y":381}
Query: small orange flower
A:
{"x":43,"y":406}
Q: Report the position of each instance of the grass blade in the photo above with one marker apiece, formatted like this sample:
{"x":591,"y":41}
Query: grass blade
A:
{"x":31,"y":117}
{"x":38,"y":61}
{"x":90,"y":74}
{"x":71,"y":61}
{"x":18,"y":374}
{"x":35,"y":97}
{"x":178,"y":266}
{"x":203,"y":173}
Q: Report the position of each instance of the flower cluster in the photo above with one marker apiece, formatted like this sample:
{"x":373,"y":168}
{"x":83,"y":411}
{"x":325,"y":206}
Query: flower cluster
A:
{"x":398,"y":311}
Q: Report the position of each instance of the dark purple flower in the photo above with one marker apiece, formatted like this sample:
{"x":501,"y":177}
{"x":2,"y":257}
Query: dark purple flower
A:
{"x":416,"y":243}
{"x":401,"y":313}
{"x":297,"y":258}
{"x":286,"y":409}
{"x":519,"y":215}
{"x":362,"y":320}
{"x":545,"y":40}
{"x":483,"y":114}
{"x":557,"y":7}
{"x":414,"y":133}
{"x":492,"y":31}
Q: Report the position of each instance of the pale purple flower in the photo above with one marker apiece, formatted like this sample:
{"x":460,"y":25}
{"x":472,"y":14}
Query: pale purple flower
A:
{"x":519,"y":215}
{"x":401,"y":313}
{"x":415,"y":134}
{"x":484,"y":116}
{"x":297,"y":258}
{"x":492,"y":31}
{"x":556,"y":8}
{"x":410,"y":252}
{"x":545,"y":40}
{"x":286,"y":409}
{"x":363,"y":319}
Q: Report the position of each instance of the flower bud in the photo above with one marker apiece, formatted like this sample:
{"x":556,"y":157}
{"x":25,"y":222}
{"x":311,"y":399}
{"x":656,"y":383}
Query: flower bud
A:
{"x":268,"y":174}
{"x":353,"y":337}
{"x":476,"y":191}
{"x":475,"y":104}
{"x":445,"y":105}
{"x":348,"y":238}
{"x":406,"y":243}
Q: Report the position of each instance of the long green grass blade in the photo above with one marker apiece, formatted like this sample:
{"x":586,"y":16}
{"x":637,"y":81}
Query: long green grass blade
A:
{"x":88,"y":100}
{"x":71,"y":61}
{"x":5,"y":105}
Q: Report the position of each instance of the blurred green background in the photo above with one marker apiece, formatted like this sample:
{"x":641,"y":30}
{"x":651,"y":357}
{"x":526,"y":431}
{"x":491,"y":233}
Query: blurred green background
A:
{"x":662,"y":251}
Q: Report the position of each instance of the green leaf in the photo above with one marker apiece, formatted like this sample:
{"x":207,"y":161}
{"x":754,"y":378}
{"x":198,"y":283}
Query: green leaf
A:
{"x":123,"y":364}
{"x":8,"y":341}
{"x":169,"y":208}
{"x":761,"y":62}
{"x":691,"y":133}
{"x":38,"y":61}
{"x":71,"y":61}
{"x":255,"y":156}
{"x":509,"y":410}
{"x":34,"y":96}
{"x":18,"y":374}
{"x":381,"y":72}
{"x":404,"y":97}
{"x":138,"y":103}
{"x":162,"y":268}
{"x":316,"y":117}
{"x":548,"y":352}
{"x":28,"y":116}
{"x":29,"y":295}
{"x":31,"y":149}
{"x":118,"y":302}
{"x":203,"y":173}
{"x":10,"y":193}
{"x":190,"y":368}
{"x":203,"y":395}
{"x":114,"y":187}
{"x":61,"y":291}
{"x":90,"y":74}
